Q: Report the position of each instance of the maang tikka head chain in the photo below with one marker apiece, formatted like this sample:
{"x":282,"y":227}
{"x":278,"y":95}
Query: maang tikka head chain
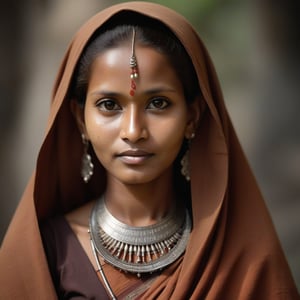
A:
{"x":133,"y":65}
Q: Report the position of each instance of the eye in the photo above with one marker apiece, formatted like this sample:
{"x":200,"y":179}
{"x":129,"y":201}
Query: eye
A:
{"x":108,"y":105}
{"x":158,"y":103}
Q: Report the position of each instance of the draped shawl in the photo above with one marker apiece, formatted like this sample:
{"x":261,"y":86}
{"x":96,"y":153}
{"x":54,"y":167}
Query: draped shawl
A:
{"x":233,"y":251}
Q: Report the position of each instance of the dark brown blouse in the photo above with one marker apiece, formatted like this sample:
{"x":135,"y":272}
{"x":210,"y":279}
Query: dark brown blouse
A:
{"x":73,"y":275}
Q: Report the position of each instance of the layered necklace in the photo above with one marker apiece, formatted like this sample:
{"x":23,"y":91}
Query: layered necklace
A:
{"x":138,"y":250}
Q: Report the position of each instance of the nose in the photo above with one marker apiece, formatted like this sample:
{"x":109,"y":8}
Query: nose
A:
{"x":133,"y":127}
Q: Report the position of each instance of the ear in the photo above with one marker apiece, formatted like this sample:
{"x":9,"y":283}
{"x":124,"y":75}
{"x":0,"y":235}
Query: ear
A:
{"x":194,"y":113}
{"x":78,"y":113}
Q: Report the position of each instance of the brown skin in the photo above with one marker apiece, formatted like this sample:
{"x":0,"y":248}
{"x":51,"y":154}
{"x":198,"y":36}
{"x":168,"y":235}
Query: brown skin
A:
{"x":153,"y":122}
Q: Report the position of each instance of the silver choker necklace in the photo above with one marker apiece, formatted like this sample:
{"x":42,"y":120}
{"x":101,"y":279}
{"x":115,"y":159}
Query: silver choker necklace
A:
{"x":139,"y":250}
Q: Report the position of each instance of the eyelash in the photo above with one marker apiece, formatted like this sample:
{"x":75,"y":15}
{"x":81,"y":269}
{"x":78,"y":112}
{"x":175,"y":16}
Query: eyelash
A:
{"x":162,"y":100}
{"x":152,"y":105}
{"x":102,"y":105}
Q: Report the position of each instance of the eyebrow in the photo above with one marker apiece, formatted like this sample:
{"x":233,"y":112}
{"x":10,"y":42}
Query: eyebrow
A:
{"x":159,"y":90}
{"x":152,"y":91}
{"x":105,"y":93}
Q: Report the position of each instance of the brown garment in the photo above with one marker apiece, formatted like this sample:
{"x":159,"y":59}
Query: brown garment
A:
{"x":233,"y":252}
{"x":73,"y":275}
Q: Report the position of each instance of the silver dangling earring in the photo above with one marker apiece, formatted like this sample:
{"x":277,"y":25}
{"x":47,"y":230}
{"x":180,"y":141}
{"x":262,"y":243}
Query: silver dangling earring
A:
{"x":185,"y":165}
{"x":87,"y":167}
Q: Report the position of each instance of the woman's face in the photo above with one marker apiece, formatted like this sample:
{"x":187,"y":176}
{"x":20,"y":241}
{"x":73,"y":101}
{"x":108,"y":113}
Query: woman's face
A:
{"x":136,"y":138}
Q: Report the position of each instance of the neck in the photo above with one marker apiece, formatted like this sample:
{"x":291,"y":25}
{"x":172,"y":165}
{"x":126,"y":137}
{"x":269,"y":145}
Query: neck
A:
{"x":140,"y":204}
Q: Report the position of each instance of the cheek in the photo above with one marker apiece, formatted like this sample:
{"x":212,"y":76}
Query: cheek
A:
{"x":172,"y":134}
{"x":96,"y":125}
{"x":101,"y":140}
{"x":99,"y":132}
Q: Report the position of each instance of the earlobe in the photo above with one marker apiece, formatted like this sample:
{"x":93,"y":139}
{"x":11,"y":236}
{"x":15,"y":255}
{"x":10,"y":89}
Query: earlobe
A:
{"x":78,"y":113}
{"x":194,"y":118}
{"x":196,"y":110}
{"x":190,"y":131}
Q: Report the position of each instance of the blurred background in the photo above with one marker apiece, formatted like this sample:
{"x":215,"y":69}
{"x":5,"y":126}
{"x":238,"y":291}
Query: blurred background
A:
{"x":255,"y":45}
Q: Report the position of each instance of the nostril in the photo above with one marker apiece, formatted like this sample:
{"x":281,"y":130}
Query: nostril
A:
{"x":133,"y":126}
{"x":134,"y":135}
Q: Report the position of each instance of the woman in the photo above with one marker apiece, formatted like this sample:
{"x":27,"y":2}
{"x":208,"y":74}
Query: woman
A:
{"x":171,"y":206}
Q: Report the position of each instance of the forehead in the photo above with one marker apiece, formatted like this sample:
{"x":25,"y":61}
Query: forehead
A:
{"x":113,"y":67}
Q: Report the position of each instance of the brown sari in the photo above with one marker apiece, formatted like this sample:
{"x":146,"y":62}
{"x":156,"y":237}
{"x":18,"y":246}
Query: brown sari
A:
{"x":233,"y":252}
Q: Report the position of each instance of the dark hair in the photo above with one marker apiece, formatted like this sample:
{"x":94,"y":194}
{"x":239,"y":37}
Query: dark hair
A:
{"x":149,"y":32}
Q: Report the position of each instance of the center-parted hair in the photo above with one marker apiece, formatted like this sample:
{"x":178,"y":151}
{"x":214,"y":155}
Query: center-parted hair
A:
{"x":149,"y":33}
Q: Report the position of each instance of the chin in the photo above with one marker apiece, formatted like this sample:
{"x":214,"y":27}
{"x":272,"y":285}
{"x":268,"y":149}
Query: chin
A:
{"x":134,"y":178}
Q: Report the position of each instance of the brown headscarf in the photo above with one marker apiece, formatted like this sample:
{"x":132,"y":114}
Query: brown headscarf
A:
{"x":233,"y":252}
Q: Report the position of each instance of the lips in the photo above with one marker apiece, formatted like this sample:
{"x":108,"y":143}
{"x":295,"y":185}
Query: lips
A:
{"x":134,"y":156}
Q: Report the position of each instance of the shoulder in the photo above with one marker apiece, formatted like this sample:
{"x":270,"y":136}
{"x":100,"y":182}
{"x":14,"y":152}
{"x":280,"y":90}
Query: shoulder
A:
{"x":80,"y":216}
{"x":63,"y":232}
{"x":55,"y":230}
